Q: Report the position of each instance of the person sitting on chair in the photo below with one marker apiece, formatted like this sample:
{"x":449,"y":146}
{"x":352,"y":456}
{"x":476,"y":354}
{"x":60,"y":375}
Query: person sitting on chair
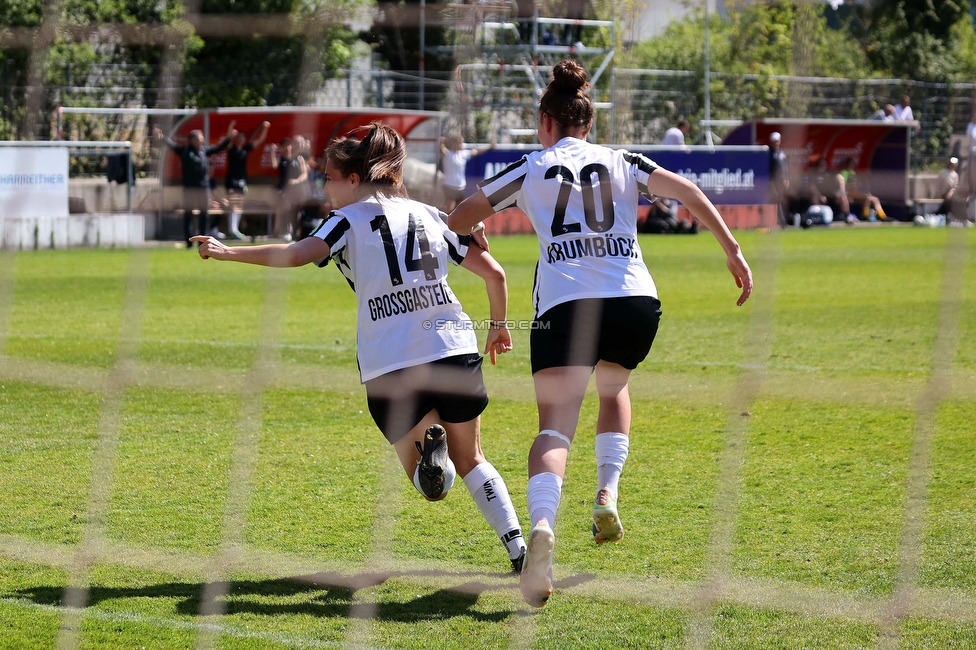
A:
{"x":870,"y":205}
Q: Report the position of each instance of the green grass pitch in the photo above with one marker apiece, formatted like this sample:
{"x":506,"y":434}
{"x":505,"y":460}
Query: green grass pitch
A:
{"x":178,"y":435}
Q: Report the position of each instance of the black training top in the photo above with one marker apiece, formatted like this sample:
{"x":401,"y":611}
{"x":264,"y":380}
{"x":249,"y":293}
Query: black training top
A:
{"x":195,"y":163}
{"x":287,"y":169}
{"x":237,"y":163}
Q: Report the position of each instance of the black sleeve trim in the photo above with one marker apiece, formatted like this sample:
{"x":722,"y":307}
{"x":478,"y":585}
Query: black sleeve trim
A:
{"x":512,"y":167}
{"x":453,"y":252}
{"x":322,"y":225}
{"x":506,"y":192}
{"x":641,"y":163}
{"x":646,"y":166}
{"x":337,"y":232}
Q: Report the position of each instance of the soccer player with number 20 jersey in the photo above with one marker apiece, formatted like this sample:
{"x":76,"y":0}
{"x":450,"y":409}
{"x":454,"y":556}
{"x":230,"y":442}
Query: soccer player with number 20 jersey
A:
{"x":418,"y":354}
{"x":596,"y":306}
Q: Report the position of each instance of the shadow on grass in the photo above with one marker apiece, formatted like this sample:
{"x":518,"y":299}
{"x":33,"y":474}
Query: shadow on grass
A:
{"x":323,"y":595}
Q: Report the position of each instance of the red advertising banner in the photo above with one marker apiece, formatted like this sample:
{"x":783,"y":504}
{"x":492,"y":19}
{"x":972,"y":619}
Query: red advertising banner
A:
{"x":879,"y":150}
{"x":319,"y":126}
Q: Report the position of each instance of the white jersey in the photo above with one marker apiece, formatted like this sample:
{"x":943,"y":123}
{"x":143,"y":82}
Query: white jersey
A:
{"x":454,"y":166}
{"x":674,"y":136}
{"x":394,"y":253}
{"x":582,"y":201}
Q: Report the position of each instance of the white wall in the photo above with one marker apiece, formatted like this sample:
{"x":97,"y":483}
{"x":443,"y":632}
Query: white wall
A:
{"x":73,"y":231}
{"x":655,"y":15}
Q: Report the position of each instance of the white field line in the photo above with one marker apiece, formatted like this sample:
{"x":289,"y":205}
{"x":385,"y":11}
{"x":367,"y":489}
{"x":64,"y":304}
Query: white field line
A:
{"x":163,"y":622}
{"x":650,"y":363}
{"x":763,"y":593}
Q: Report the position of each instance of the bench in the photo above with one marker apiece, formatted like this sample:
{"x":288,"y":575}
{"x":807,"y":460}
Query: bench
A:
{"x":927,"y":206}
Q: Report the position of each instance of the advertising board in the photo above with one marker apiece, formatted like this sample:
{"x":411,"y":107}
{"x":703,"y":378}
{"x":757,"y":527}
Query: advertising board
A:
{"x":727,"y":175}
{"x":879,"y":151}
{"x":33,"y":182}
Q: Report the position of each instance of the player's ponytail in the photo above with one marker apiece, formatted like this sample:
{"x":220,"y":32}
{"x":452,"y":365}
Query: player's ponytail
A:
{"x":377,"y":158}
{"x":566,"y":99}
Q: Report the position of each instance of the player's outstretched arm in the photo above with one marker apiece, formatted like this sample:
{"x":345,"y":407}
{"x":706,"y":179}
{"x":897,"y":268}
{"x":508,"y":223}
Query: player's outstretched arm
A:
{"x":260,"y":133}
{"x":670,"y":185}
{"x":278,"y":255}
{"x":469,"y":213}
{"x":481,"y":263}
{"x":165,"y":139}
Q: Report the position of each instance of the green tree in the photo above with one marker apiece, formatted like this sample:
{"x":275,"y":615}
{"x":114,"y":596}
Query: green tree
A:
{"x":762,"y":40}
{"x":262,"y":70}
{"x":912,"y":39}
{"x":67,"y":63}
{"x":210,"y":71}
{"x":397,"y":43}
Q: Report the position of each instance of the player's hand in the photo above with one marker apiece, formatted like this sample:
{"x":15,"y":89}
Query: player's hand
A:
{"x":210,"y":247}
{"x":481,"y":239}
{"x":231,"y":131}
{"x":499,"y":341}
{"x":740,"y":270}
{"x":158,"y":133}
{"x":266,"y":124}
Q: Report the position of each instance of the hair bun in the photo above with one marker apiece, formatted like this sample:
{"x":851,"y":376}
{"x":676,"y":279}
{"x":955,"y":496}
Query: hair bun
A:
{"x":570,"y":75}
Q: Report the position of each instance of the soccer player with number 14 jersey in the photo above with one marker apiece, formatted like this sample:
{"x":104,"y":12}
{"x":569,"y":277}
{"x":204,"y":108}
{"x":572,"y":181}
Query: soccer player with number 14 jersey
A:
{"x":417,"y":350}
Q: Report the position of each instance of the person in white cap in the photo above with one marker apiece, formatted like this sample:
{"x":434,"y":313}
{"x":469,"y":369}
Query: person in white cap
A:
{"x":779,"y":176}
{"x":946,"y":184}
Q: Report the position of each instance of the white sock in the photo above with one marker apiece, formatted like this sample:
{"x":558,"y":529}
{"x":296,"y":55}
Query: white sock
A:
{"x":235,"y":221}
{"x":449,"y":474}
{"x":543,"y":497}
{"x":611,"y":453}
{"x":489,"y":491}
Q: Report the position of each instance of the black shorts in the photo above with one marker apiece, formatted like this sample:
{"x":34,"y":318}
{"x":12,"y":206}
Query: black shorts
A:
{"x":399,"y":400}
{"x":236,"y":186}
{"x":583,"y":332}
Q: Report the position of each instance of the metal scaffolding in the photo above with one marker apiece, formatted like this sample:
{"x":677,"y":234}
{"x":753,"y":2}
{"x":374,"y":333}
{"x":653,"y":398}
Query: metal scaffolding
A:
{"x":503,"y":61}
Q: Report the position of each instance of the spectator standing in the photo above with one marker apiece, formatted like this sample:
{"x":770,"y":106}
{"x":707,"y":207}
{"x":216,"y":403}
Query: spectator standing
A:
{"x":236,"y":181}
{"x":779,"y":176}
{"x":292,"y":188}
{"x":970,"y":168}
{"x":946,"y":184}
{"x":195,"y":170}
{"x":675,"y":136}
{"x":971,"y":132}
{"x":454,"y":162}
